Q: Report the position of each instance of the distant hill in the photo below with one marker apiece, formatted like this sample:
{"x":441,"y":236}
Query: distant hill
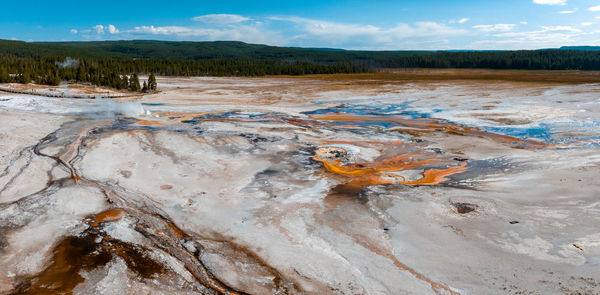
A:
{"x":582,"y":48}
{"x":193,"y":51}
{"x":185,"y":50}
{"x":26,"y":49}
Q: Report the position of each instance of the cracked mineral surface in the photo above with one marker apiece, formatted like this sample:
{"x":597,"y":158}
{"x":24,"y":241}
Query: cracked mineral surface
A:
{"x":303,"y":186}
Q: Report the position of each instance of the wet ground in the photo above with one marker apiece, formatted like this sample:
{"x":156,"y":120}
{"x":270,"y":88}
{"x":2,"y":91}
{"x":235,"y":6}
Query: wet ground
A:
{"x":304,"y":186}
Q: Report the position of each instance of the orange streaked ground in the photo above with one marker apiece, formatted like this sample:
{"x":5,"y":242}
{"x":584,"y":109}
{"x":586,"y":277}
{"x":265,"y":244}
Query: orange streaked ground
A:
{"x":149,"y":123}
{"x":326,"y":141}
{"x":374,"y":173}
{"x":108,"y":216}
{"x":436,"y":176}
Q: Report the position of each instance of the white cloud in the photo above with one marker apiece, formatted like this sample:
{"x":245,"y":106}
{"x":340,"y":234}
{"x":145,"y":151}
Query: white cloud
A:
{"x":307,"y":32}
{"x":112,"y":29}
{"x":550,"y":2}
{"x":327,"y":28}
{"x":594,"y":8}
{"x":254,"y":33}
{"x":422,"y":29}
{"x":549,"y":37}
{"x":312,"y":32}
{"x":167,"y":30}
{"x":74,"y":31}
{"x":495,"y":28}
{"x":220,"y":19}
{"x":298,"y":31}
{"x":99,"y":29}
{"x":546,"y":37}
{"x":332,"y":29}
{"x":568,"y":11}
{"x":559,"y":28}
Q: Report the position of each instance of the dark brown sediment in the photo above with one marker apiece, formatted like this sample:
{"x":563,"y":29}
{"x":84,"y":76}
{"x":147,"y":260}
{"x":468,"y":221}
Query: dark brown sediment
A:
{"x":82,"y":252}
{"x":86,"y":252}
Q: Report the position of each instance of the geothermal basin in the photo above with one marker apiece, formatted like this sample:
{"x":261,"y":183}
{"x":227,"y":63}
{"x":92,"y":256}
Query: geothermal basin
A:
{"x":304,"y":185}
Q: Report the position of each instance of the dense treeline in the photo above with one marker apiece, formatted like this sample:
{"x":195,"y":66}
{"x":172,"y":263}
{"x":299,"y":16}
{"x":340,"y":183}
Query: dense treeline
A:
{"x":523,"y":59}
{"x":581,"y":58}
{"x":122,"y":73}
{"x":117,"y":64}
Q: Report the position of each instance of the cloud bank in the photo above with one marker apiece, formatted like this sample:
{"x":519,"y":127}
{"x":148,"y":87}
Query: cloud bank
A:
{"x":495,"y":28}
{"x":220,"y":18}
{"x":309,"y":32}
{"x":550,"y":2}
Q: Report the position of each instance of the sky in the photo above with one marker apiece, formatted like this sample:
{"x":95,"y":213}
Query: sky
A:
{"x":371,"y":25}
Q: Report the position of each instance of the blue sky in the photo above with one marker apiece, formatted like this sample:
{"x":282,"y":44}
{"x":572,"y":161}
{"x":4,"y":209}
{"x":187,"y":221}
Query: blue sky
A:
{"x":389,"y":25}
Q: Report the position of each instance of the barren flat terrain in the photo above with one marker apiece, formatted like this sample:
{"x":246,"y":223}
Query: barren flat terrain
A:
{"x":397,"y":182}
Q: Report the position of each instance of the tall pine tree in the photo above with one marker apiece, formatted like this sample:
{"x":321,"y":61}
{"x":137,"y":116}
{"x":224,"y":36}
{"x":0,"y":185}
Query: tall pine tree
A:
{"x":152,"y":82}
{"x":134,"y":82}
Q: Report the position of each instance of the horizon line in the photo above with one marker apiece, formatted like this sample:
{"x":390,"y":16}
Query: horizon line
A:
{"x":299,"y":47}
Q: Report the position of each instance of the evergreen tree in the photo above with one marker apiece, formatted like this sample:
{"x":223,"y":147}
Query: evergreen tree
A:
{"x":124,"y":82}
{"x":24,"y":78}
{"x":134,"y":82}
{"x":152,"y":82}
{"x":80,"y":75}
{"x":4,"y":75}
{"x":145,"y":87}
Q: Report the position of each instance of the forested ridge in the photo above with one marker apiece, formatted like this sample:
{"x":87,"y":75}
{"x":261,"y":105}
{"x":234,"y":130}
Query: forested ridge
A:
{"x":117,"y":63}
{"x":184,"y":50}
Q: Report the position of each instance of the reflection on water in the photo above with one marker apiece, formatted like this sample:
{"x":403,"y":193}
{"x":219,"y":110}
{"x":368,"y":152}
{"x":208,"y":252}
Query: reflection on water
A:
{"x":404,"y":119}
{"x":390,"y":115}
